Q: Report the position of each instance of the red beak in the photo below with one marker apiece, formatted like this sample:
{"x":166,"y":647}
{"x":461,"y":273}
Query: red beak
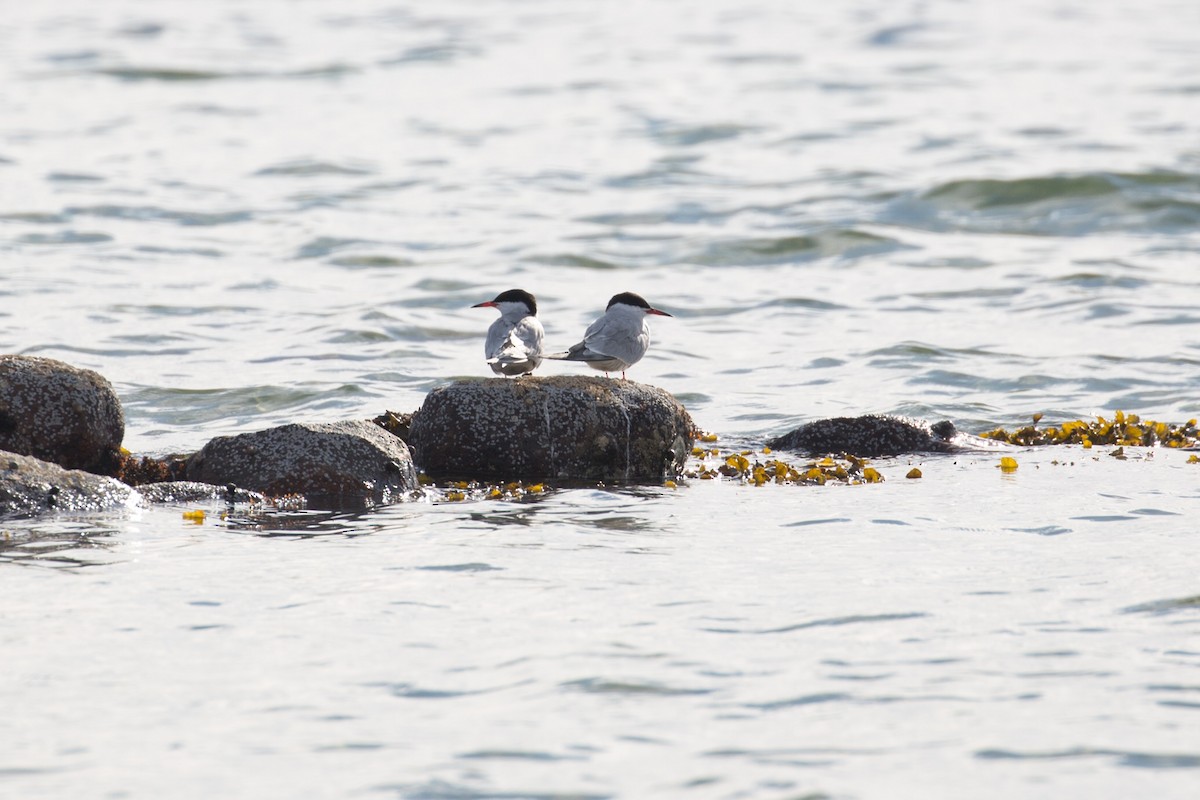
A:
{"x":659,"y":313}
{"x":488,"y":304}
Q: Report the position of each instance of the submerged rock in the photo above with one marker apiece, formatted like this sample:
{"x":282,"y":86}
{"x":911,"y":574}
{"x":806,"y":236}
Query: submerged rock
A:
{"x":869,"y":436}
{"x":560,"y":428}
{"x":333,"y":464}
{"x":59,"y":413}
{"x":194,"y":491}
{"x":30,"y":485}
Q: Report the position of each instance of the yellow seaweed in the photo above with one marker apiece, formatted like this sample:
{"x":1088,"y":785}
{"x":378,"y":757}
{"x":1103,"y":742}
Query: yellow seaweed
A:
{"x":1127,"y":430}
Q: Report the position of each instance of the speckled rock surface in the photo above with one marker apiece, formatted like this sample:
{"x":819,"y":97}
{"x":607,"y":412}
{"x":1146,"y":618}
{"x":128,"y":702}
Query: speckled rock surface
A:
{"x":194,"y":491}
{"x":869,"y":436}
{"x":56,"y":412}
{"x":30,"y":486}
{"x":333,"y":464}
{"x":559,"y":428}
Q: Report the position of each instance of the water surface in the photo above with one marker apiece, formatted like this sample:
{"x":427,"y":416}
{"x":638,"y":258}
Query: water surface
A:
{"x":251,"y":214}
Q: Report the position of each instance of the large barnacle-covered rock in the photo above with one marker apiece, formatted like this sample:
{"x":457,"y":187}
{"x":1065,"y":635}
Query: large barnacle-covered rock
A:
{"x":59,"y":413}
{"x":560,"y":428}
{"x":333,"y":464}
{"x":869,"y":436}
{"x":32,"y":486}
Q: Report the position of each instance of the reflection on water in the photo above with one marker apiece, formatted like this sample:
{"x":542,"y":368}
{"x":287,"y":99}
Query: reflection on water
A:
{"x":60,"y":543}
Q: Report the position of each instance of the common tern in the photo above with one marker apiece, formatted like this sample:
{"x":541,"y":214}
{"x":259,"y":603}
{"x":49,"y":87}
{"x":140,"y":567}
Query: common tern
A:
{"x":617,"y":340}
{"x":514,"y":342}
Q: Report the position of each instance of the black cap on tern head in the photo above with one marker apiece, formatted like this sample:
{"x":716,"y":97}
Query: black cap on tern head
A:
{"x":635,"y":300}
{"x":513,"y":296}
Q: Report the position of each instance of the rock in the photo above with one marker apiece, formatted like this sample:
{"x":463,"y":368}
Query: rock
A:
{"x":559,"y":428}
{"x":869,"y":436}
{"x":59,"y":413}
{"x":30,"y":485}
{"x":334,"y":464}
{"x":193,"y":491}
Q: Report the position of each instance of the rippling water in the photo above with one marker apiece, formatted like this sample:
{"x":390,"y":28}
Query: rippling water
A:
{"x":249,"y":214}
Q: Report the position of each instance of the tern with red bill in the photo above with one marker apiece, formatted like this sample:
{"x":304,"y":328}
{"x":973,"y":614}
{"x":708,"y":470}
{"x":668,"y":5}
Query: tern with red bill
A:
{"x":514,"y":342}
{"x":617,"y":340}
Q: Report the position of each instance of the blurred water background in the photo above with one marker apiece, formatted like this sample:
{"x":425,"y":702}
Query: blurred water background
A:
{"x":251,"y":213}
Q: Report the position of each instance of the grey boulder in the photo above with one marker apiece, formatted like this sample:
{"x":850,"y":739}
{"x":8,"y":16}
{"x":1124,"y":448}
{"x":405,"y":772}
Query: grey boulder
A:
{"x":30,"y":486}
{"x":869,"y":436}
{"x":559,"y":428}
{"x":333,"y":464}
{"x":59,"y":413}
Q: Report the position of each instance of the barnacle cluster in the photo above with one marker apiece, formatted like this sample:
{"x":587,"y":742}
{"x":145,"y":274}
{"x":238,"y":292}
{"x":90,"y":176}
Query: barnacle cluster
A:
{"x":758,"y":468}
{"x":1124,"y":430}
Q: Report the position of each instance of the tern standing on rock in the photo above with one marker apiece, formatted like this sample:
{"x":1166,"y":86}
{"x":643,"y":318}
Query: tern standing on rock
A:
{"x":514,"y":342}
{"x":617,"y":340}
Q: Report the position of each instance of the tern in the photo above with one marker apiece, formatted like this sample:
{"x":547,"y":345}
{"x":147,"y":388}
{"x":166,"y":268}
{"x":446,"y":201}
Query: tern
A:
{"x":617,"y":340}
{"x":514,"y":342}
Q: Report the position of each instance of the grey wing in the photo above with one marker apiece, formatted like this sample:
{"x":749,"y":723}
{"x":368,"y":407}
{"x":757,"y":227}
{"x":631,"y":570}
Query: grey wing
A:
{"x":595,"y":330}
{"x":579,"y":352}
{"x":497,"y":337}
{"x":525,"y":340}
{"x":597,"y":341}
{"x":523,"y":343}
{"x":583,"y":350}
{"x":573,"y":354}
{"x":617,"y":341}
